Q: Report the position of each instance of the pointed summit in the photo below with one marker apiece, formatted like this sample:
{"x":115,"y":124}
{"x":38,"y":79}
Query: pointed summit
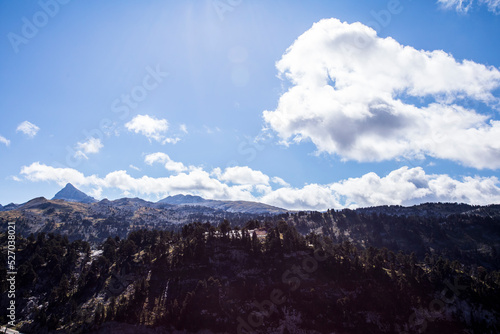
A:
{"x":71,"y":194}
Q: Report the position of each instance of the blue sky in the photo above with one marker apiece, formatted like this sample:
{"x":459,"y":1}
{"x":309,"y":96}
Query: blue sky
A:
{"x":155,"y":98}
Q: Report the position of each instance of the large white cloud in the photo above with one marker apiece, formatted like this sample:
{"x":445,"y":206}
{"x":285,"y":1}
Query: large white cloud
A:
{"x":350,"y":94}
{"x":29,"y":129}
{"x":404,"y":186}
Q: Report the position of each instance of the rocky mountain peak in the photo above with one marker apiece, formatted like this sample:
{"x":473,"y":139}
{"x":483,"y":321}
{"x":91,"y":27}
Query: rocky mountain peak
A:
{"x":72,"y":194}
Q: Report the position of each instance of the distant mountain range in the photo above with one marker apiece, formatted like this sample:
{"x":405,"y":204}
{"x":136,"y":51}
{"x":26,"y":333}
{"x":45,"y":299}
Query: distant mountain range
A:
{"x":8,"y":207}
{"x":183,"y":200}
{"x":71,"y":194}
{"x":229,"y":206}
{"x":74,"y":213}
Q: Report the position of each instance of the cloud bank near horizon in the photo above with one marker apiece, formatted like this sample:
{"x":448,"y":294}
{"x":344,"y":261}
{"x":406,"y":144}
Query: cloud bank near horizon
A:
{"x":404,"y":186}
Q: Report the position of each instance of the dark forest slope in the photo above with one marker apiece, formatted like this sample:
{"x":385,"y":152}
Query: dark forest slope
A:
{"x":224,"y":281}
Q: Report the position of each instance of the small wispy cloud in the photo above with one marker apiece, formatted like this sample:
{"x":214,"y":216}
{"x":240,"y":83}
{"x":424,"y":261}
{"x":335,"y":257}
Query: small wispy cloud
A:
{"x":211,"y":131}
{"x":4,"y":140}
{"x":183,"y":128}
{"x":280,"y":181}
{"x":134,"y":167}
{"x":91,"y":146}
{"x":493,"y":5}
{"x":170,"y":165}
{"x":463,"y":6}
{"x":174,"y":140}
{"x":29,"y":129}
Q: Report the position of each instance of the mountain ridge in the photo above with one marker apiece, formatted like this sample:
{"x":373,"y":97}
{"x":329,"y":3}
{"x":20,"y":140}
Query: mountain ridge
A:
{"x":230,"y":206}
{"x":71,"y":194}
{"x":435,"y":209}
{"x":182,"y":199}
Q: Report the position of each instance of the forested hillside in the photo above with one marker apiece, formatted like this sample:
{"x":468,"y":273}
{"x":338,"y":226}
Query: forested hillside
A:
{"x":468,"y":234}
{"x":97,"y":221}
{"x":262,"y":278}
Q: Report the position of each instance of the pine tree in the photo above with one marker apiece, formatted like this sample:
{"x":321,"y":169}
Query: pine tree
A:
{"x":256,"y":245}
{"x":224,"y":228}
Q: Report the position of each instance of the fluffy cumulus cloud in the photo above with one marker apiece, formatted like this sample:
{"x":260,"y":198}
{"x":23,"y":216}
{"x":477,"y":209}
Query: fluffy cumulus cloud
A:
{"x":463,"y":6}
{"x":244,"y":175}
{"x":4,"y":141}
{"x":309,"y":197}
{"x":29,"y":129}
{"x":152,"y":128}
{"x":91,"y":146}
{"x":196,"y":181}
{"x":41,"y":172}
{"x":173,"y":140}
{"x":163,"y":158}
{"x":367,"y":98}
{"x":404,"y":186}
